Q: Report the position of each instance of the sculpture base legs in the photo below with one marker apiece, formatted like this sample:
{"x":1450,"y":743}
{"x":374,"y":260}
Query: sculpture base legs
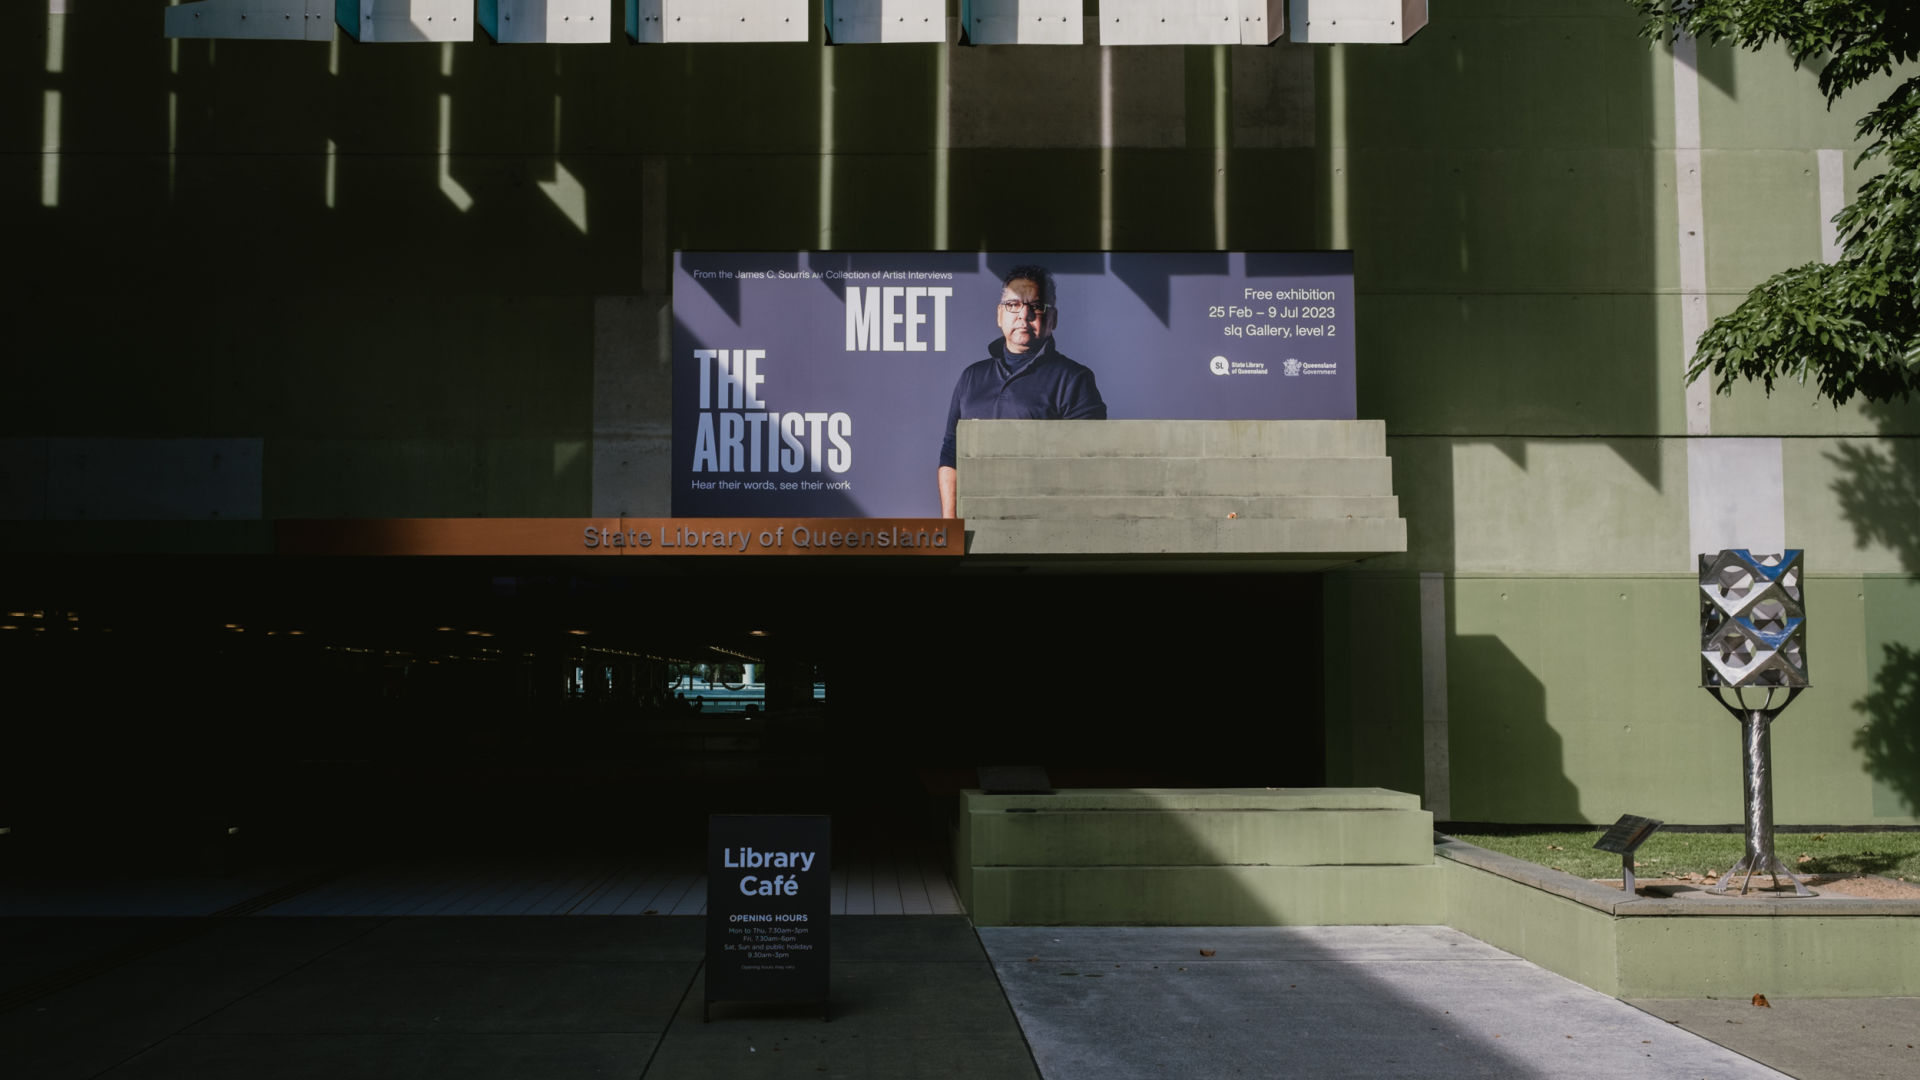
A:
{"x":1768,"y":864}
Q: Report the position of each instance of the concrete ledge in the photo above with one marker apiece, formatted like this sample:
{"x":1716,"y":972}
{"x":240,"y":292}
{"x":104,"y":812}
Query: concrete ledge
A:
{"x":1615,"y":902}
{"x":1327,"y":539}
{"x":1166,"y":438}
{"x":1199,"y":799}
{"x":1182,"y":506}
{"x":1223,"y":856}
{"x":1207,"y":896}
{"x":1654,"y":947}
{"x":1295,"y":494}
{"x":1203,"y":838}
{"x":1008,"y":476}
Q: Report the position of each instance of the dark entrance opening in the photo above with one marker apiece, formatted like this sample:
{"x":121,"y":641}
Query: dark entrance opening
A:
{"x":366,"y":709}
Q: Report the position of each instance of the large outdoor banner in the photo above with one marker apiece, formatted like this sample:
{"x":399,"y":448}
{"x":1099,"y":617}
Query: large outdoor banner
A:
{"x":827,"y":384}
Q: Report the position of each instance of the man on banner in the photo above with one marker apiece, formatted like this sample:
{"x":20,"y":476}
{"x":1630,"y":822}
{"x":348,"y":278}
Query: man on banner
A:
{"x":1023,"y":377}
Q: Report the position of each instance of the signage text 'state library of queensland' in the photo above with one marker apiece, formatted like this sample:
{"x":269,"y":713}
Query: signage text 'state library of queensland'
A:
{"x":442,"y":423}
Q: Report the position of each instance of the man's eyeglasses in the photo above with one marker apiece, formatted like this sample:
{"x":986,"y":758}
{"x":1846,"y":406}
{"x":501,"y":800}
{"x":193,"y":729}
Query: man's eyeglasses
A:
{"x":1019,"y":308}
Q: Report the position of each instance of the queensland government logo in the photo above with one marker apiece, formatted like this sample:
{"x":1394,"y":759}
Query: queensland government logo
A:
{"x":1290,"y":366}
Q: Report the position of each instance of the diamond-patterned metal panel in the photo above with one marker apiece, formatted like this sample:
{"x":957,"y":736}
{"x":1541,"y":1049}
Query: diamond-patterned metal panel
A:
{"x":1752,"y":619}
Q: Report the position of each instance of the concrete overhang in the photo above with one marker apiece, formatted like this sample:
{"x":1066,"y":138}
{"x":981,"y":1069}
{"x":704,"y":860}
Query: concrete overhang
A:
{"x":1176,"y":494}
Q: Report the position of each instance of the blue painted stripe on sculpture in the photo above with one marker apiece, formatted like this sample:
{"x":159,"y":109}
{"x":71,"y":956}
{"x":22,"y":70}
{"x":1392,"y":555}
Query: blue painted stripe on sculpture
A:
{"x":1772,"y":639}
{"x":1769,"y":572}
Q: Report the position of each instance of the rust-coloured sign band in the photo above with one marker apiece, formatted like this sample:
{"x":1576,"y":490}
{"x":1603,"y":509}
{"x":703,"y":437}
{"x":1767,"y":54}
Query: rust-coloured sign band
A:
{"x":624,"y":536}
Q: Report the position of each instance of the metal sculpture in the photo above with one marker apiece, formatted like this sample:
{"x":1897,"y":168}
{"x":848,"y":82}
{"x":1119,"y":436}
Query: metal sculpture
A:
{"x":1753,"y":624}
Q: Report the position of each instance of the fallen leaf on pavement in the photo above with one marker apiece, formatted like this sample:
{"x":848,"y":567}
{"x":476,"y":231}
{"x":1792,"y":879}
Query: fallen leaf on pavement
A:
{"x":1206,"y":952}
{"x":1761,"y":1001}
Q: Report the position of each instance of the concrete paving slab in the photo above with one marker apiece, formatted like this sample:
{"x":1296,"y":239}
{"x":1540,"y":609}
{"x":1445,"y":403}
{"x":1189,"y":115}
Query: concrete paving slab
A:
{"x":62,"y":941}
{"x":173,"y":896}
{"x":475,"y":997}
{"x":80,"y":1031}
{"x":1362,"y":1002}
{"x":280,"y":942}
{"x":892,"y":1020}
{"x":389,"y":1057}
{"x":927,"y":939}
{"x":1809,"y":1038}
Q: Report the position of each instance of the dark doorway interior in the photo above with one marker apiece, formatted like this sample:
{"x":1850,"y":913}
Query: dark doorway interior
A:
{"x":350,"y":708}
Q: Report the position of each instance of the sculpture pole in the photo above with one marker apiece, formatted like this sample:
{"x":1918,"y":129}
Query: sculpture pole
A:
{"x":1756,"y":760}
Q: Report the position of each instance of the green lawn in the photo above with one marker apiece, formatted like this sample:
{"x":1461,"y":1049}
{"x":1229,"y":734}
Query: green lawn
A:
{"x":1669,"y":854}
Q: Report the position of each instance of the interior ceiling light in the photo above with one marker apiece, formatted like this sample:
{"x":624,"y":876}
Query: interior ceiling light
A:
{"x":579,"y":633}
{"x":756,"y":633}
{"x":443,"y":629}
{"x":16,"y":614}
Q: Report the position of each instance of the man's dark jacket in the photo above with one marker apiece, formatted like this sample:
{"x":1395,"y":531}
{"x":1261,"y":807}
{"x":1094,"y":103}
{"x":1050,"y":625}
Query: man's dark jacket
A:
{"x":1047,"y":387}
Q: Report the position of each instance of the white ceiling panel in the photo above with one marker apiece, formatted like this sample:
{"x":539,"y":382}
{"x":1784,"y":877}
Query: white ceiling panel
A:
{"x":858,"y":22}
{"x":557,"y":22}
{"x":268,"y":20}
{"x":1022,"y":22}
{"x":674,"y":21}
{"x":1357,"y":22}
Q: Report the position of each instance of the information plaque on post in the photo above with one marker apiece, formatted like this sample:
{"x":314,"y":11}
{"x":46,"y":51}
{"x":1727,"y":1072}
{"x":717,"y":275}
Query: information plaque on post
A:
{"x":767,"y":897}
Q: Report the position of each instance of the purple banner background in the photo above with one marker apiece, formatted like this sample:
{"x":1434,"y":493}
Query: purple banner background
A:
{"x":1150,"y":326}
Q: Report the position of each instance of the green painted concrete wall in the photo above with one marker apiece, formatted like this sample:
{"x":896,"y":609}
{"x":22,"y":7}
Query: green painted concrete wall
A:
{"x":285,"y":242}
{"x":1517,"y":253}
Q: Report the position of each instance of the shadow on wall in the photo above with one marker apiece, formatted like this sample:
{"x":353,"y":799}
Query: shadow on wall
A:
{"x":1508,"y":762}
{"x":1879,"y":493}
{"x":1890,"y":739}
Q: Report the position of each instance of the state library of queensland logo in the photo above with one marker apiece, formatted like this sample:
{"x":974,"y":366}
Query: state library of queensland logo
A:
{"x":1220,"y":365}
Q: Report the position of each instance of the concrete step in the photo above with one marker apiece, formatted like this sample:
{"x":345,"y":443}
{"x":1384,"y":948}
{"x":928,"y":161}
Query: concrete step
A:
{"x":1289,"y":537}
{"x":1164,"y":438}
{"x":1199,"y":798}
{"x":1231,"y":856}
{"x":1186,"y":476}
{"x":1199,"y":507}
{"x":1013,"y":837}
{"x":1207,"y":896}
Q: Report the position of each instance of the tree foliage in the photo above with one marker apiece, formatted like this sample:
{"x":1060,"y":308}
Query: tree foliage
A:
{"x":1853,"y":326}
